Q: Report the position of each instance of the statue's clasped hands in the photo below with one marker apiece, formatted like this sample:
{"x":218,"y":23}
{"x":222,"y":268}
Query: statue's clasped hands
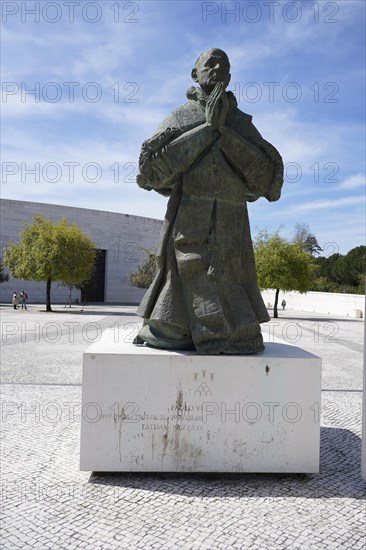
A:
{"x":217,"y":107}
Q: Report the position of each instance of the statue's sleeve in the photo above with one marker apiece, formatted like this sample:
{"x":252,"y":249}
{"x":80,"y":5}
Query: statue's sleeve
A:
{"x":170,"y":153}
{"x":255,"y":160}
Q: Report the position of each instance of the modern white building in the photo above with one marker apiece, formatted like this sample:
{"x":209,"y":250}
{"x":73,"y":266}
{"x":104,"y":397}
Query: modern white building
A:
{"x":120,"y":238}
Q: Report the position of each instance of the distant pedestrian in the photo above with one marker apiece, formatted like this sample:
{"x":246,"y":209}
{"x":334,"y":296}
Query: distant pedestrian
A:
{"x":69,"y":298}
{"x":23,"y":299}
{"x":283,"y":304}
{"x":15,"y":300}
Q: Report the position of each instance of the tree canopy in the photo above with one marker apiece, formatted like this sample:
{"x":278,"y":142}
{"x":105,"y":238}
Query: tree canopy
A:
{"x":338,"y":273}
{"x":49,"y":251}
{"x":282,"y":265}
{"x":145,"y":274}
{"x":307,"y":240}
{"x":3,"y":275}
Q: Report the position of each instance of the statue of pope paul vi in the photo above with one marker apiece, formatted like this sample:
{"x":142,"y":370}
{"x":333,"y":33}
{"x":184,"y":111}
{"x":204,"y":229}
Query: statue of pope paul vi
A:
{"x":209,"y":158}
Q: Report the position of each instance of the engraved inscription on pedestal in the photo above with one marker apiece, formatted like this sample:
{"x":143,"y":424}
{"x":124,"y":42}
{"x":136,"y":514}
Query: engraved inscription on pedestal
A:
{"x":154,"y":410}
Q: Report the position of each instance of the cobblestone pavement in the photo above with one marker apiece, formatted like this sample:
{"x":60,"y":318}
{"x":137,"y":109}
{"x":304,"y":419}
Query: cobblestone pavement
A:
{"x":49,"y":504}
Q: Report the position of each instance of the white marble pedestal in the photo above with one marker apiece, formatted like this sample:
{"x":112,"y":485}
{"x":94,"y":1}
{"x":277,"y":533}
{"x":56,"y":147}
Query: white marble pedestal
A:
{"x":149,"y":410}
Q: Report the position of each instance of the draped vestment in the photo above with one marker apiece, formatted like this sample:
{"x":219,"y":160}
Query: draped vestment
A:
{"x":205,"y":294}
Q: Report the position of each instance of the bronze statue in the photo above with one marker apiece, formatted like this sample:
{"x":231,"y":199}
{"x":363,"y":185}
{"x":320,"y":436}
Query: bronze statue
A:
{"x":208,"y":157}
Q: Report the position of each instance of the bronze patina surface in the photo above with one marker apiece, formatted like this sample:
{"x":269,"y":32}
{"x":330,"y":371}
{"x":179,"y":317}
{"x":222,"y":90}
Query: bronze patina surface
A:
{"x":209,"y":158}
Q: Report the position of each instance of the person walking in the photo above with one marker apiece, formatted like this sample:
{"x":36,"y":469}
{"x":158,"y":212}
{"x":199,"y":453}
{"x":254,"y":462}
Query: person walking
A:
{"x":69,"y":298}
{"x":15,"y":300}
{"x":283,"y":304}
{"x":23,"y":299}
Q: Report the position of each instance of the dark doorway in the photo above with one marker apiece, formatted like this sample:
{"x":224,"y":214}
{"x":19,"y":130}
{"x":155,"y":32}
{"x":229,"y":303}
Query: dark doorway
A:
{"x":95,"y":291}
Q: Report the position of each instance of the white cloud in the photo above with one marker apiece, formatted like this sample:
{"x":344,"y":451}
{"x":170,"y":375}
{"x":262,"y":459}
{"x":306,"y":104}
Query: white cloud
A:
{"x":305,"y":141}
{"x":325,"y":205}
{"x":357,"y":180}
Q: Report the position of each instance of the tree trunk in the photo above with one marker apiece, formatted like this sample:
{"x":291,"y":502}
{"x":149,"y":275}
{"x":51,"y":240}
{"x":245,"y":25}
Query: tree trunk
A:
{"x":275,"y":312}
{"x":48,"y":295}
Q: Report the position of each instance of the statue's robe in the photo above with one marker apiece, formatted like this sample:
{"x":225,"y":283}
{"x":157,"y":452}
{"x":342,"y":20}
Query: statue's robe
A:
{"x":205,"y":294}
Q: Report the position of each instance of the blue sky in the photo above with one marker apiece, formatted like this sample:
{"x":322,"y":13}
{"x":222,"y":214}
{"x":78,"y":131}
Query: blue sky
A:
{"x":104,"y":75}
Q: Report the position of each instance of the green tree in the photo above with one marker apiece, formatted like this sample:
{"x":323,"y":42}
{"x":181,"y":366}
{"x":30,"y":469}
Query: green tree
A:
{"x":354,"y":266}
{"x":308,"y":241}
{"x":145,"y":274}
{"x":339,"y":273}
{"x":3,"y":275}
{"x":282,"y":265}
{"x":88,"y":285}
{"x":49,"y":251}
{"x":333,"y":268}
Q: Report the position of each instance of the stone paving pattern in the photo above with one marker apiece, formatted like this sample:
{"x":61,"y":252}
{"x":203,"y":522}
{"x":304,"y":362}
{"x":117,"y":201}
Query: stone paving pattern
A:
{"x":48,"y":503}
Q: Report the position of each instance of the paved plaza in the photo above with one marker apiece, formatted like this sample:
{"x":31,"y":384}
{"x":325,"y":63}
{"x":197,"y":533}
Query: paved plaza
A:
{"x":47,"y":503}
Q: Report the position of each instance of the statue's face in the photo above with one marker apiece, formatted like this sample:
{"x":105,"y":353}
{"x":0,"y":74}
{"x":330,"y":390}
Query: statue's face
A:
{"x":213,"y":67}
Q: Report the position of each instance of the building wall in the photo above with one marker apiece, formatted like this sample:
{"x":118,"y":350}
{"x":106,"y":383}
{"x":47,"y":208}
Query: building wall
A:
{"x":123,"y":236}
{"x":319,"y":302}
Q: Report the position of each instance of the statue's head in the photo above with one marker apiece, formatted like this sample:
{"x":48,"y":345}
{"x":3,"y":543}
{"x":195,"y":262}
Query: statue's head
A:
{"x":211,"y":67}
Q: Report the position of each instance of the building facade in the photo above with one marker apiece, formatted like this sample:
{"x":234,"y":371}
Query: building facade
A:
{"x":120,"y":238}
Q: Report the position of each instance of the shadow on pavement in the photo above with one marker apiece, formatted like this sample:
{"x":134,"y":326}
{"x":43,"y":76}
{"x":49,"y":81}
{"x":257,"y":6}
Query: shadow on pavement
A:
{"x":339,"y":477}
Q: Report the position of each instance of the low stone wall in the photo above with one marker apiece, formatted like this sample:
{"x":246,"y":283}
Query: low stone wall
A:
{"x":352,"y":305}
